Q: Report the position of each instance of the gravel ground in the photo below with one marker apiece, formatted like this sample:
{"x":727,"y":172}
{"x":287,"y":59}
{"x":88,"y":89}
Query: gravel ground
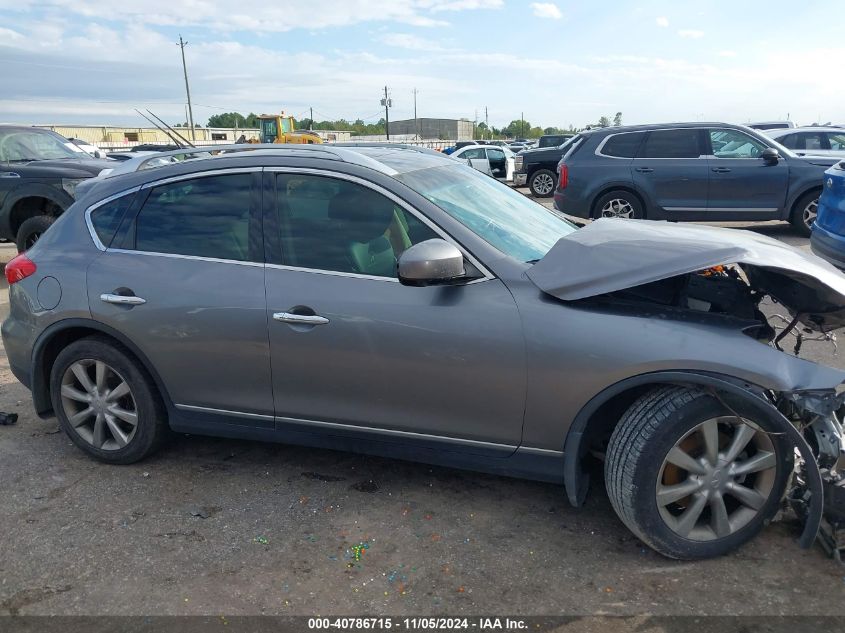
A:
{"x":211,"y":526}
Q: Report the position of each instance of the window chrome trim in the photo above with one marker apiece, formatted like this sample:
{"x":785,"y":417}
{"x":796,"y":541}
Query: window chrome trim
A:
{"x":486,"y":274}
{"x":200,"y":174}
{"x":90,"y":224}
{"x":200,"y":258}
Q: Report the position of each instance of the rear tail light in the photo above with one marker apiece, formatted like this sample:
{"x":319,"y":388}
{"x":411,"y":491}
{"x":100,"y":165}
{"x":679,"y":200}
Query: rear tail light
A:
{"x":19,"y":268}
{"x":564,"y":176}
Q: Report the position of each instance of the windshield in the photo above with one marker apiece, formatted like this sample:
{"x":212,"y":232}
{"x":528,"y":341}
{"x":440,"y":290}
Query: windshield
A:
{"x":506,"y":219}
{"x":26,"y":145}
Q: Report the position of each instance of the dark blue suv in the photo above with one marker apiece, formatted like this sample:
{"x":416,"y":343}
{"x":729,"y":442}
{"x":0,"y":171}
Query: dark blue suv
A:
{"x":688,"y":172}
{"x":828,"y":239}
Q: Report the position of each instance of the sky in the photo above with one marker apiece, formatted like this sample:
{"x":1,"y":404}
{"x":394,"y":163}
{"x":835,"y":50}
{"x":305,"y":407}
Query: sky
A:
{"x":559,"y":63}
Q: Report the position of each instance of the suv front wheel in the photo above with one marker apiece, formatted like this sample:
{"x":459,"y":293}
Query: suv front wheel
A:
{"x":618,"y":204}
{"x":106,"y":402}
{"x":542,"y":183}
{"x":692,"y":476}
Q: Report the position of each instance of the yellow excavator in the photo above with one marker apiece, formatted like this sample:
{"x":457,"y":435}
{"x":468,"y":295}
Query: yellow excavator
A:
{"x":280,"y":128}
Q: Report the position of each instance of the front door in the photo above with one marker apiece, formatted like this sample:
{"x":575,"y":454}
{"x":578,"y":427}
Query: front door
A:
{"x":186,"y":285}
{"x":672,"y":173}
{"x":743,"y":185}
{"x":355,"y":350}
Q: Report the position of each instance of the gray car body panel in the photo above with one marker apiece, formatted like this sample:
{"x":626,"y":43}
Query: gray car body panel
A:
{"x":518,"y":365}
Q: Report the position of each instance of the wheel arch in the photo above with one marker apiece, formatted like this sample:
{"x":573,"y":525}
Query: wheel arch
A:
{"x":796,"y":198}
{"x":599,"y":415}
{"x":628,"y":187}
{"x":15,"y":206}
{"x":61,"y":334}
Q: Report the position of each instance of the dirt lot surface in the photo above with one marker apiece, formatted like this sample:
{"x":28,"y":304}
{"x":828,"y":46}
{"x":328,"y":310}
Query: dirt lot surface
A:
{"x":212,"y":526}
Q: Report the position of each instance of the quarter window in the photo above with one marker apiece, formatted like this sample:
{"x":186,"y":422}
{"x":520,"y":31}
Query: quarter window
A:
{"x":623,"y":145}
{"x":106,"y":218}
{"x":203,"y":217}
{"x":331,"y":224}
{"x":681,"y":143}
{"x":734,"y":144}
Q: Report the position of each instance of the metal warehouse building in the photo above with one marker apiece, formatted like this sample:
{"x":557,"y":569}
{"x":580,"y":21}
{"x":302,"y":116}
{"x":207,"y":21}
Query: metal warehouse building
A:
{"x":454,"y":129}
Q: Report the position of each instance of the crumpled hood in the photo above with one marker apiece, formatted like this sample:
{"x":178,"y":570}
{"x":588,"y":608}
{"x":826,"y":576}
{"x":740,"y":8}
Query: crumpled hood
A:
{"x":613,"y":254}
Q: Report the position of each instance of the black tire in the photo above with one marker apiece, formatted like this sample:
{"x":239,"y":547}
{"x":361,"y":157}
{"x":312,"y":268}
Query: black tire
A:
{"x":636,"y":212}
{"x":151,"y":425}
{"x":797,"y":217}
{"x":641,"y":442}
{"x":31,"y":230}
{"x":539,"y":183}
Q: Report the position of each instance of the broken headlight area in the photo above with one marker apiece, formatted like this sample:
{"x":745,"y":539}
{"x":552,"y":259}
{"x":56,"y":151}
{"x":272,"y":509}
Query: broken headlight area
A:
{"x":820,"y":416}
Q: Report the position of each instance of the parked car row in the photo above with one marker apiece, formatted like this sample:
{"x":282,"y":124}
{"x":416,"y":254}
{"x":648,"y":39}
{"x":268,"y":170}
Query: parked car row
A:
{"x":361,"y":280}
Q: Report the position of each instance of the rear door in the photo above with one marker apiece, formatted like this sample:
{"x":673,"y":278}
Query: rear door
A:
{"x":498,"y":163}
{"x":183,"y":279}
{"x":743,"y":185}
{"x":477,"y":158}
{"x":671,"y":171}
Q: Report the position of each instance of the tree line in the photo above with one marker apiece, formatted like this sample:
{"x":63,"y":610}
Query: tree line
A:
{"x":518,"y":128}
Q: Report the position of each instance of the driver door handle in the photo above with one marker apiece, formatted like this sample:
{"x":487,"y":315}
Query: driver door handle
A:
{"x":644,"y":170}
{"x":304,"y":319}
{"x":721,"y":170}
{"x":130,"y":300}
{"x":9,"y":174}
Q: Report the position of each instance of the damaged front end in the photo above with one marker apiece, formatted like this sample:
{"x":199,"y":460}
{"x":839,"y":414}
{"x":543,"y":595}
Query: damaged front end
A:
{"x":666,"y":271}
{"x":820,"y":415}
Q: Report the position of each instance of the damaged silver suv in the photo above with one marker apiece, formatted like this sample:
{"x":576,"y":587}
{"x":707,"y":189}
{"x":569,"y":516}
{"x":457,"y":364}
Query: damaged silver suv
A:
{"x":382,"y":299}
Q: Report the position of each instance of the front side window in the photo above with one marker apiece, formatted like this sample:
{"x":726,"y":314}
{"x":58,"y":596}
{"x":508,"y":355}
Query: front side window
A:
{"x":476,"y":153}
{"x":335,"y":225}
{"x":106,"y":218}
{"x":735,"y":144}
{"x":682,"y":143}
{"x":507,"y":220}
{"x":623,"y":145}
{"x":837,"y":141}
{"x":202,"y":217}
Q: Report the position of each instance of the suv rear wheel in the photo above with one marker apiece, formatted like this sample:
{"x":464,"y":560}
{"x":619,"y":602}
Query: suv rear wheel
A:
{"x":542,"y":183}
{"x":692,"y":478}
{"x":618,"y":204}
{"x":106,"y":402}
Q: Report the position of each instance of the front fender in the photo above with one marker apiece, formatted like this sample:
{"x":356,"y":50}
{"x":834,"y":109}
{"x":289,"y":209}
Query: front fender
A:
{"x":55,"y":195}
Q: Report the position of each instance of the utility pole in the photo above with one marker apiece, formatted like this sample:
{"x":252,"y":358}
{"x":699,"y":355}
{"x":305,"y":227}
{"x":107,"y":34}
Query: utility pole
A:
{"x":522,"y":125}
{"x":386,"y":102}
{"x":182,"y":45}
{"x":475,"y":124}
{"x":311,"y":118}
{"x":416,"y":120}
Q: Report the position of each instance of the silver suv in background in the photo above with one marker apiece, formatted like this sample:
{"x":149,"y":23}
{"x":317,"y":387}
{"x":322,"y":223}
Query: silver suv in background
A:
{"x":391,"y":301}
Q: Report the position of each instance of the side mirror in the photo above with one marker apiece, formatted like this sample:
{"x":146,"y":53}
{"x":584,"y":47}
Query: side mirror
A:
{"x":431,"y":262}
{"x":770,"y":156}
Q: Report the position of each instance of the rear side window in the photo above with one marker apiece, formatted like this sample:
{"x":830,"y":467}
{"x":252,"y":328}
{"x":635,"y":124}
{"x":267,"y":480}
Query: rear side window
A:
{"x":681,"y":143}
{"x":623,"y":145}
{"x":106,"y":218}
{"x":836,"y":141}
{"x":202,"y":217}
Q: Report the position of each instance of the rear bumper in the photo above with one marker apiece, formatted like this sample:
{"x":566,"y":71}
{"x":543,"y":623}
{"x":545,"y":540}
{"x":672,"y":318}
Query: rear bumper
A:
{"x":16,"y":339}
{"x":828,"y":246}
{"x":565,"y":205}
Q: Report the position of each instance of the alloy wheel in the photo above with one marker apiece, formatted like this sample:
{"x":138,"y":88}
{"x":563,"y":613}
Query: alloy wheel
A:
{"x":617,"y":208}
{"x":99,"y":404}
{"x":810,"y":213}
{"x":544,"y":184}
{"x":716,"y":479}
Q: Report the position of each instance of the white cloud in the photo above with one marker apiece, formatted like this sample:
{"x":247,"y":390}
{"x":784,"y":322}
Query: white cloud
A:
{"x":546,"y":10}
{"x":410,"y":42}
{"x":662,"y":21}
{"x":727,"y":54}
{"x":691,"y":34}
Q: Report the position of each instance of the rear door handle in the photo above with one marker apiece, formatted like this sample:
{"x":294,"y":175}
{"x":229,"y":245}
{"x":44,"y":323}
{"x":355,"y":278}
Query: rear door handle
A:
{"x":721,"y":170}
{"x":302,"y":319}
{"x":130,"y":300}
{"x":644,"y":170}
